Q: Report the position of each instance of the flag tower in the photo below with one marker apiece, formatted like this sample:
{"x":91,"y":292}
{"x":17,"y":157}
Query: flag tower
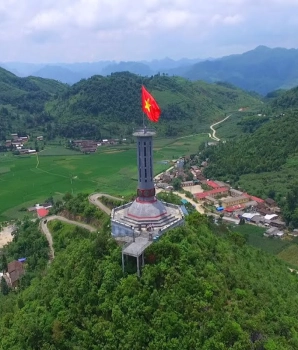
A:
{"x":146,"y":216}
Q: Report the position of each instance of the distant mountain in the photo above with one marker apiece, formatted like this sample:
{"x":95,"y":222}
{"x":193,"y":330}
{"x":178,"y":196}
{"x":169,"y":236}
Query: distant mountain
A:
{"x":61,"y":74}
{"x":261,"y":70}
{"x":71,"y":73}
{"x":132,"y":67}
{"x":166,"y":64}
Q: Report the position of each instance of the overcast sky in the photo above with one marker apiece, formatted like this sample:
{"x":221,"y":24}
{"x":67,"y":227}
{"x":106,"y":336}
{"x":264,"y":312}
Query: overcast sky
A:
{"x":93,"y":30}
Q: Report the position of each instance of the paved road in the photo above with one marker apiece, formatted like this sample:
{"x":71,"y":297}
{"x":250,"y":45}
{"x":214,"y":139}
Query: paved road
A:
{"x":214,"y":131}
{"x":48,"y":234}
{"x":93,"y":199}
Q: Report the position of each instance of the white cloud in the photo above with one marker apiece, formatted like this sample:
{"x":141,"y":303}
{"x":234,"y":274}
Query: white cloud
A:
{"x":77,"y":30}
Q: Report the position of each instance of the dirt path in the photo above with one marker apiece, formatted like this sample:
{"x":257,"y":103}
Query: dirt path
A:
{"x":6,"y":236}
{"x":213,"y":136}
{"x":47,"y":233}
{"x":93,"y":199}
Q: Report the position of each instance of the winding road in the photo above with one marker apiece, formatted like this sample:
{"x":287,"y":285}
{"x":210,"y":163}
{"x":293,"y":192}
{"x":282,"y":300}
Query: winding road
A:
{"x":212,"y":136}
{"x":93,"y":199}
{"x":47,"y":233}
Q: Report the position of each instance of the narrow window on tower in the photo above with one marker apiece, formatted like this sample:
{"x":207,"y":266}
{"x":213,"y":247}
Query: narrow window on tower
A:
{"x":145,"y":162}
{"x":145,"y":153}
{"x":140,"y":174}
{"x":146,"y":174}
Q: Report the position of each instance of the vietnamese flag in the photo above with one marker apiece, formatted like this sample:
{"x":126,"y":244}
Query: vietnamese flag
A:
{"x":149,"y":106}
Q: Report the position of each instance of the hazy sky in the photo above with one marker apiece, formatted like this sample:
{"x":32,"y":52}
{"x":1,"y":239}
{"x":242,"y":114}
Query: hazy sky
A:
{"x":93,"y":30}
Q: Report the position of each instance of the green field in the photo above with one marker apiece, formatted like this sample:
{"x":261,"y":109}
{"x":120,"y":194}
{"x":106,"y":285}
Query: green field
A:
{"x":290,"y":254}
{"x":255,"y":237}
{"x":25,"y":180}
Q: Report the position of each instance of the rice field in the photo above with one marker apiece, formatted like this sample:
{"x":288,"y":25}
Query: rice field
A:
{"x":26,"y":180}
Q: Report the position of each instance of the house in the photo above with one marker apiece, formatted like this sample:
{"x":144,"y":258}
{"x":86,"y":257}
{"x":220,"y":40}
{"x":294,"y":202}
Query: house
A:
{"x":221,"y":183}
{"x":257,"y":219}
{"x":15,"y":271}
{"x":228,"y":202}
{"x":270,"y":216}
{"x":249,"y":216}
{"x":166,"y":177}
{"x":211,"y":200}
{"x":270,"y":202}
{"x":212,"y":184}
{"x":39,"y":138}
{"x":278,"y":223}
{"x":213,"y":193}
{"x":234,"y":208}
{"x":42,"y":212}
{"x":253,"y":198}
{"x":235,"y":193}
{"x":273,"y":232}
{"x":187,"y":183}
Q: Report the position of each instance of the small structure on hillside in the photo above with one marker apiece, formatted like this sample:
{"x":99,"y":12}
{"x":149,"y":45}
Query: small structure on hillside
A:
{"x":15,"y":270}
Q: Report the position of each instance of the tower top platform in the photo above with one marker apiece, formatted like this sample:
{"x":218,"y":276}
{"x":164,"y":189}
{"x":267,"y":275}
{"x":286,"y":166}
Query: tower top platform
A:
{"x":144,"y":132}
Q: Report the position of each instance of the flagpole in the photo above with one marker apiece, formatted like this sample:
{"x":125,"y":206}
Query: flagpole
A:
{"x":143,"y":117}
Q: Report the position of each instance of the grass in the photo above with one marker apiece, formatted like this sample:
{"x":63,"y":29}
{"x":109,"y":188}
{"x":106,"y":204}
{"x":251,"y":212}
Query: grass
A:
{"x":285,"y":249}
{"x":290,"y":254}
{"x":111,"y":170}
{"x":255,"y":237}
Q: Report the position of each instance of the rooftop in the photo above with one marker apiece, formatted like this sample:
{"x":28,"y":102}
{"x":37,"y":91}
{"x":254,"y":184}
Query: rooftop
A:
{"x":214,"y":191}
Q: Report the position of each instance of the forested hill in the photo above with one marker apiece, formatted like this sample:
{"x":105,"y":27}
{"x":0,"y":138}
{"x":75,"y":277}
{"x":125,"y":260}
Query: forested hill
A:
{"x":264,"y":163}
{"x":95,"y":106}
{"x":22,"y":101}
{"x":201,"y":288}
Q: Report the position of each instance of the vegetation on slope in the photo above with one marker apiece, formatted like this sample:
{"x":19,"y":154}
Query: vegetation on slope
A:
{"x":112,"y":105}
{"x":22,"y":102}
{"x":264,"y":163}
{"x":261,"y":70}
{"x":198,"y":290}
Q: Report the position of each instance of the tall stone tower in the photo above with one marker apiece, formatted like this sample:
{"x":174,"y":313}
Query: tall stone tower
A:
{"x":146,"y":213}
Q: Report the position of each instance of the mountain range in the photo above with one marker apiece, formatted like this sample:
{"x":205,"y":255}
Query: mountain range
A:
{"x":110,"y":106}
{"x":261,"y":70}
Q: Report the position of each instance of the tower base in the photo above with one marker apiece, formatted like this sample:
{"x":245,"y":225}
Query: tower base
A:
{"x":145,"y":218}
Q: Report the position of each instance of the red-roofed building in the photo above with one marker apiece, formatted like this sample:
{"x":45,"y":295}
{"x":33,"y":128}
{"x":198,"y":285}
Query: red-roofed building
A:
{"x":212,"y":184}
{"x":212,"y":193}
{"x":253,"y":198}
{"x":42,"y":212}
{"x":234,"y":208}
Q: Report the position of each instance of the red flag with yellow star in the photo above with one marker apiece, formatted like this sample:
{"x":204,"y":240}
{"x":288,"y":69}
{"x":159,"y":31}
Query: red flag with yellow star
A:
{"x":149,"y":106}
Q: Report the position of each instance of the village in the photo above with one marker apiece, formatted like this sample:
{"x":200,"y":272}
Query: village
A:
{"x":19,"y":144}
{"x":220,"y":200}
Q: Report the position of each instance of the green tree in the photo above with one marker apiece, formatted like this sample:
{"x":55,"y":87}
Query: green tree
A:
{"x":176,"y":184}
{"x":4,"y":263}
{"x":4,"y":286}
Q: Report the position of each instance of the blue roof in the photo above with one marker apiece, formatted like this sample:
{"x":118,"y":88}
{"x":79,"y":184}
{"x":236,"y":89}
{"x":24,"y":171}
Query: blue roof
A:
{"x":22,"y":259}
{"x":184,"y":201}
{"x":220,"y":208}
{"x":184,"y":210}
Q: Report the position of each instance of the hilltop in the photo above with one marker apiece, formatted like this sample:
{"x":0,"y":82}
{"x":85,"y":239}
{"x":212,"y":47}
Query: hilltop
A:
{"x":202,"y":287}
{"x":111,"y":105}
